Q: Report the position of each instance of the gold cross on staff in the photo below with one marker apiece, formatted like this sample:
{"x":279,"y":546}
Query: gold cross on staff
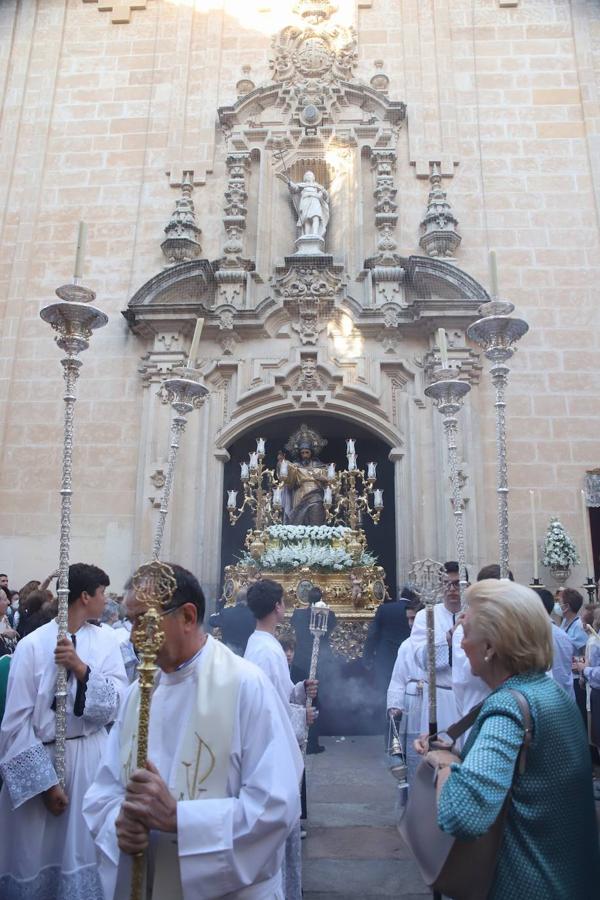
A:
{"x":121,"y":12}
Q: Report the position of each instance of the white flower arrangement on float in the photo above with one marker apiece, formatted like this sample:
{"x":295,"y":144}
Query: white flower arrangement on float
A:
{"x":559,"y":548}
{"x":293,"y":533}
{"x":314,"y":556}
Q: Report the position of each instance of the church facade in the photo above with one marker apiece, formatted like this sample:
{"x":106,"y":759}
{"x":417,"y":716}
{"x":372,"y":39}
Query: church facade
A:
{"x":321,"y":183}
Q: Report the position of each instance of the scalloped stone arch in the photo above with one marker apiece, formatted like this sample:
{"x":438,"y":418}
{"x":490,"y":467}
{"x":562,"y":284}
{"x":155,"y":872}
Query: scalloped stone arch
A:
{"x":271,"y":409}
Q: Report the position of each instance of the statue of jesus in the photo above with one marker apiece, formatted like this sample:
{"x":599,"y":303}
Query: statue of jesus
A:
{"x":305,"y":479}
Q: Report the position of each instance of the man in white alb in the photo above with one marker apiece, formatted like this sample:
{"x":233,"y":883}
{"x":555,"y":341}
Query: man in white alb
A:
{"x":266,"y":601}
{"x":219,"y":795}
{"x":45,"y":850}
{"x":445,"y":619}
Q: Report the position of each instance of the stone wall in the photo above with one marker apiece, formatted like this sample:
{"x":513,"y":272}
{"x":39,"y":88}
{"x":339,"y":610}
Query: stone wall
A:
{"x":107,"y":105}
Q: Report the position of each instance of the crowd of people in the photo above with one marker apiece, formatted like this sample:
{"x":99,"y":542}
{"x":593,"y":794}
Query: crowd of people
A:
{"x":218,"y":808}
{"x":503,"y":650}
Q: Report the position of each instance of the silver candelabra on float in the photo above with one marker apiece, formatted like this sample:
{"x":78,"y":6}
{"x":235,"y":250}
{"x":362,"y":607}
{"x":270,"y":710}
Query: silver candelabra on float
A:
{"x":184,"y":392}
{"x":263,"y":495}
{"x":497,"y":333}
{"x":448,"y":393}
{"x":346,"y":496}
{"x":74,"y":319}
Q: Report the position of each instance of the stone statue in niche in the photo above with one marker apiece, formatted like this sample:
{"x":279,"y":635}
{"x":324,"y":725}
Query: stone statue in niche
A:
{"x":311,"y":202}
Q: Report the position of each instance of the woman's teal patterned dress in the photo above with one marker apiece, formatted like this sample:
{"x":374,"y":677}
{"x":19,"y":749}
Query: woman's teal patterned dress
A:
{"x":550,"y":844}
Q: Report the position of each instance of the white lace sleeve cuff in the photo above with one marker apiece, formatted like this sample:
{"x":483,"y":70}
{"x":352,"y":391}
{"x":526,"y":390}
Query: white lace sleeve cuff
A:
{"x":395,"y":698}
{"x":298,"y":719}
{"x":442,"y":656}
{"x":101,"y":700}
{"x":28,"y":774}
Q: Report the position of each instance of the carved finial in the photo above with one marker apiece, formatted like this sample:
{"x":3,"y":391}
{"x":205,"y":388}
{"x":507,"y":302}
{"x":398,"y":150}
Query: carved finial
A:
{"x":439,"y":237}
{"x":315,"y":11}
{"x":182,"y":242}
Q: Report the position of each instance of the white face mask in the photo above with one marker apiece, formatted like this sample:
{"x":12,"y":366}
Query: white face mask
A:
{"x":557,"y":610}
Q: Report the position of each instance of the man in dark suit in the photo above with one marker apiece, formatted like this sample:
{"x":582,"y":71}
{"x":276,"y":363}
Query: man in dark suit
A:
{"x":387,"y":631}
{"x":304,"y":643}
{"x":236,"y":623}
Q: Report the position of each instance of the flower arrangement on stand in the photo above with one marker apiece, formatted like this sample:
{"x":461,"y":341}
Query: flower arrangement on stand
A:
{"x":560,"y":552}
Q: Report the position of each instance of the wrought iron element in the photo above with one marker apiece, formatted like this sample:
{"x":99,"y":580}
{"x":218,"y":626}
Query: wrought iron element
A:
{"x":427,"y":575}
{"x":262,"y":495}
{"x":448,"y":393}
{"x":184,"y":392}
{"x":591,"y":588}
{"x":74,"y":320}
{"x":153,"y":585}
{"x":497,"y":332}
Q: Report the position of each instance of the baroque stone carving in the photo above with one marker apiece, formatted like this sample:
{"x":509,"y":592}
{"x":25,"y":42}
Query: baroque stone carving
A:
{"x":231,"y":272}
{"x":315,"y":11}
{"x":386,"y":208}
{"x":308,"y":294}
{"x":439,"y":237}
{"x":121,"y":9}
{"x":182,"y":233}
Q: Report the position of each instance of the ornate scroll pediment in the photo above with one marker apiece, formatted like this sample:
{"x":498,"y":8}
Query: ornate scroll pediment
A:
{"x":309,"y":294}
{"x":321,"y":55}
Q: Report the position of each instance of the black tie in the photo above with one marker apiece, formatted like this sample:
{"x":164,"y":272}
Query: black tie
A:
{"x":450,"y":644}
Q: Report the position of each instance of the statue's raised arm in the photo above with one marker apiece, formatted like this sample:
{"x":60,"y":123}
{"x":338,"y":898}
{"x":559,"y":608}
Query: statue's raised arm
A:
{"x":313,"y":210}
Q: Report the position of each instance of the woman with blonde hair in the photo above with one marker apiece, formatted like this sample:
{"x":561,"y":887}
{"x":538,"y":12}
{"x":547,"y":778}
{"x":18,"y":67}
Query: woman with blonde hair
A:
{"x":549,"y":847}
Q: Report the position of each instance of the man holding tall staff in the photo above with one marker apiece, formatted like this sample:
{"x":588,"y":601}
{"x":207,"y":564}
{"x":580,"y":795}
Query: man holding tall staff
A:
{"x":219,"y":794}
{"x":46,"y":850}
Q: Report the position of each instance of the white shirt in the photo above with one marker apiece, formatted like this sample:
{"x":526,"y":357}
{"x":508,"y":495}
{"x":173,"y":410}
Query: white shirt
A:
{"x":469,"y":689}
{"x":230,"y":847}
{"x":561,"y":663}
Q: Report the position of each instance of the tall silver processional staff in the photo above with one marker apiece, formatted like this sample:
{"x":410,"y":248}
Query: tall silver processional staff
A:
{"x":154,"y":583}
{"x":74,"y":319}
{"x":427,"y":576}
{"x":497,"y":332}
{"x":448,"y":392}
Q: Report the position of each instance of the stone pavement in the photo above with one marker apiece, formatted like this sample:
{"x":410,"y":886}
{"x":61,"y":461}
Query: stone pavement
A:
{"x":353,"y":849}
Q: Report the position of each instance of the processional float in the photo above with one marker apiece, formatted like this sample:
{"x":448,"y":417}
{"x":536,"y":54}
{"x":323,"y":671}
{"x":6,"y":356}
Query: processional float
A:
{"x":357,"y":585}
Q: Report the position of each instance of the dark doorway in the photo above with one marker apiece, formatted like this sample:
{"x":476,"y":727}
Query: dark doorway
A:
{"x":381,"y":538}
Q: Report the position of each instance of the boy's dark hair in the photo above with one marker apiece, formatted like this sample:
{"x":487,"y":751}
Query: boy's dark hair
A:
{"x":314,"y":595}
{"x":492,"y":571}
{"x":546,"y":598}
{"x":83,"y":577}
{"x":415,"y":605}
{"x":188,"y":590}
{"x":573,"y":599}
{"x":288,"y":643}
{"x":409,"y":595}
{"x":263,"y":597}
{"x":452,"y":566}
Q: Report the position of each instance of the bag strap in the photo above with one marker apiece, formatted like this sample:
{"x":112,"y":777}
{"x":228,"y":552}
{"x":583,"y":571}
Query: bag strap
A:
{"x":458,"y":728}
{"x":455,"y":731}
{"x":527,"y":723}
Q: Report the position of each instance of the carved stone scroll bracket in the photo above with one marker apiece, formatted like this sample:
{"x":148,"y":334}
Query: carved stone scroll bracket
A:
{"x":463,"y":359}
{"x":120,"y":9}
{"x":167,"y":353}
{"x":182,"y":242}
{"x":309,"y":287}
{"x":158,"y":479}
{"x":439,"y":236}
